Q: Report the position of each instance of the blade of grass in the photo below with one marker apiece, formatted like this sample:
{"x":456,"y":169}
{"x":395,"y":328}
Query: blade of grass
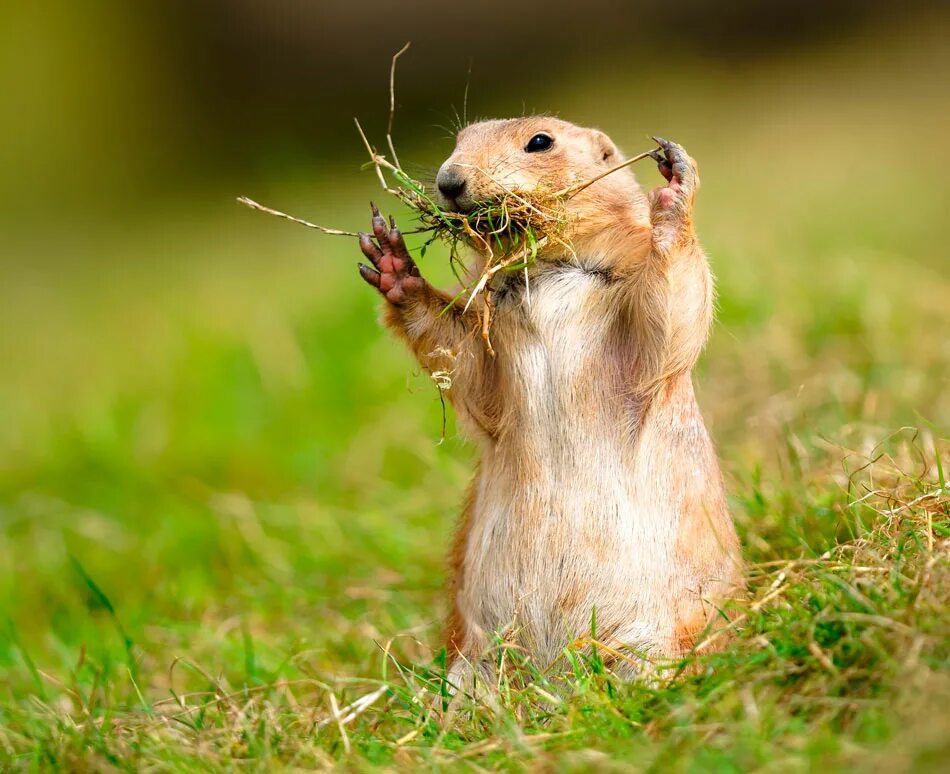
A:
{"x":100,"y":596}
{"x":25,"y":655}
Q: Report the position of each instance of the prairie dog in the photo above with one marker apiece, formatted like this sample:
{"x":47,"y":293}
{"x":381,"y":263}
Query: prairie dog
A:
{"x":598,"y":487}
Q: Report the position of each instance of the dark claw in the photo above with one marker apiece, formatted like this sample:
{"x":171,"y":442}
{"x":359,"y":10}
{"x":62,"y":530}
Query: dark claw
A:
{"x":395,"y":240}
{"x":370,"y":275}
{"x":380,"y":231}
{"x":398,"y":247}
{"x":668,"y":160}
{"x":662,"y":163}
{"x":392,"y":222}
{"x":375,"y":209}
{"x":369,"y":248}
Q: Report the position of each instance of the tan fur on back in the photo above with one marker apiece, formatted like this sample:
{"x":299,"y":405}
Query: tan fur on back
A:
{"x":598,"y":486}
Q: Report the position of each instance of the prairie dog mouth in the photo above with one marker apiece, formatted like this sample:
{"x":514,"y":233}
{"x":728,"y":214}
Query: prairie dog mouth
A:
{"x":461,"y":205}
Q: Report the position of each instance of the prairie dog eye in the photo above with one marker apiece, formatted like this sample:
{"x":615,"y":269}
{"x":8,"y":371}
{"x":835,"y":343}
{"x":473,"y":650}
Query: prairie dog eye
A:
{"x":540,"y":142}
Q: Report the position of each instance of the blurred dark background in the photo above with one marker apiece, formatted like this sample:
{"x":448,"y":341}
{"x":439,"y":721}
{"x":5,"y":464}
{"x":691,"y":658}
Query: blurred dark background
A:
{"x":108,"y":99}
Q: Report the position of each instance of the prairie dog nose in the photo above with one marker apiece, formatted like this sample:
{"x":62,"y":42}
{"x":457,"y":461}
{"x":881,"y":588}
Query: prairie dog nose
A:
{"x":450,"y":182}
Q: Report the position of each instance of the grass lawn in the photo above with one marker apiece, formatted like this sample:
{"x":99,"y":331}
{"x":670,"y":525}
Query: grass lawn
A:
{"x":224,"y":503}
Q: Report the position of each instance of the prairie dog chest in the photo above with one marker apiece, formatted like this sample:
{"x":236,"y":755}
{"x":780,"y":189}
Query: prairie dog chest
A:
{"x":551,"y":330}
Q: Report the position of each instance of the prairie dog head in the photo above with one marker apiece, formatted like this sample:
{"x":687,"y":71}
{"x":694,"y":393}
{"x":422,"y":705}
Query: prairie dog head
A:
{"x":538,"y":153}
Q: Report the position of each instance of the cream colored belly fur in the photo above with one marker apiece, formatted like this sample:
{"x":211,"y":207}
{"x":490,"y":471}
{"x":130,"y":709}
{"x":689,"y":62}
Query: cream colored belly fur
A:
{"x":569,"y":514}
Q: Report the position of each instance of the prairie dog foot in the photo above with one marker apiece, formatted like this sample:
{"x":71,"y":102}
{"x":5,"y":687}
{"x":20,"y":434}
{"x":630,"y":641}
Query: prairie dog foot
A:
{"x":395,"y":275}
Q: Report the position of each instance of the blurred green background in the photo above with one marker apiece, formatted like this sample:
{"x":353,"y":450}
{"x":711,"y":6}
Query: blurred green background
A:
{"x":196,"y":400}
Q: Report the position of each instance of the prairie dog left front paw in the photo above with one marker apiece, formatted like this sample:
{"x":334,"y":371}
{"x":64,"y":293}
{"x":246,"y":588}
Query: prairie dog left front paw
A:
{"x":671,"y":205}
{"x":682,"y":177}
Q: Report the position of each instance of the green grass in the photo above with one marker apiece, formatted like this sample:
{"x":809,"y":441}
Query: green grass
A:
{"x":224,"y":504}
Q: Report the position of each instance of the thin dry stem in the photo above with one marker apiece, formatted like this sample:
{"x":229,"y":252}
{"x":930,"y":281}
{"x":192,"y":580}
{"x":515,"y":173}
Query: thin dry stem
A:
{"x":577,"y":188}
{"x":487,"y":313}
{"x":377,"y":159}
{"x":392,"y":101}
{"x":255,"y":206}
{"x":335,"y":709}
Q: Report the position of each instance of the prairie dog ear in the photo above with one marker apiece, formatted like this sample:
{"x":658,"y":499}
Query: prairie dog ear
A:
{"x":606,"y":150}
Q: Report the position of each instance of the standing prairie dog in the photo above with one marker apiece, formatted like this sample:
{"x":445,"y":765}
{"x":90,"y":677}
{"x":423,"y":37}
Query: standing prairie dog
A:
{"x":598,"y":487}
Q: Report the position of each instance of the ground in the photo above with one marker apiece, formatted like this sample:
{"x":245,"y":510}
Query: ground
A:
{"x":225,"y":500}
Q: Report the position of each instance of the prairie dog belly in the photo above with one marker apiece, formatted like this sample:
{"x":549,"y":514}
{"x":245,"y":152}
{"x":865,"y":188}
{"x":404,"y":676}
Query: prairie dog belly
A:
{"x":560,"y":523}
{"x":540,"y":557}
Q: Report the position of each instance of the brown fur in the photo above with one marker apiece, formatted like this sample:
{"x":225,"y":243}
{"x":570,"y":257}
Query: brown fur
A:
{"x":598,"y":486}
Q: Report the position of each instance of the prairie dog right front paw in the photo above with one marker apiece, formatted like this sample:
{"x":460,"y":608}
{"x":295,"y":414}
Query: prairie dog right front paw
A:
{"x":395,"y":275}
